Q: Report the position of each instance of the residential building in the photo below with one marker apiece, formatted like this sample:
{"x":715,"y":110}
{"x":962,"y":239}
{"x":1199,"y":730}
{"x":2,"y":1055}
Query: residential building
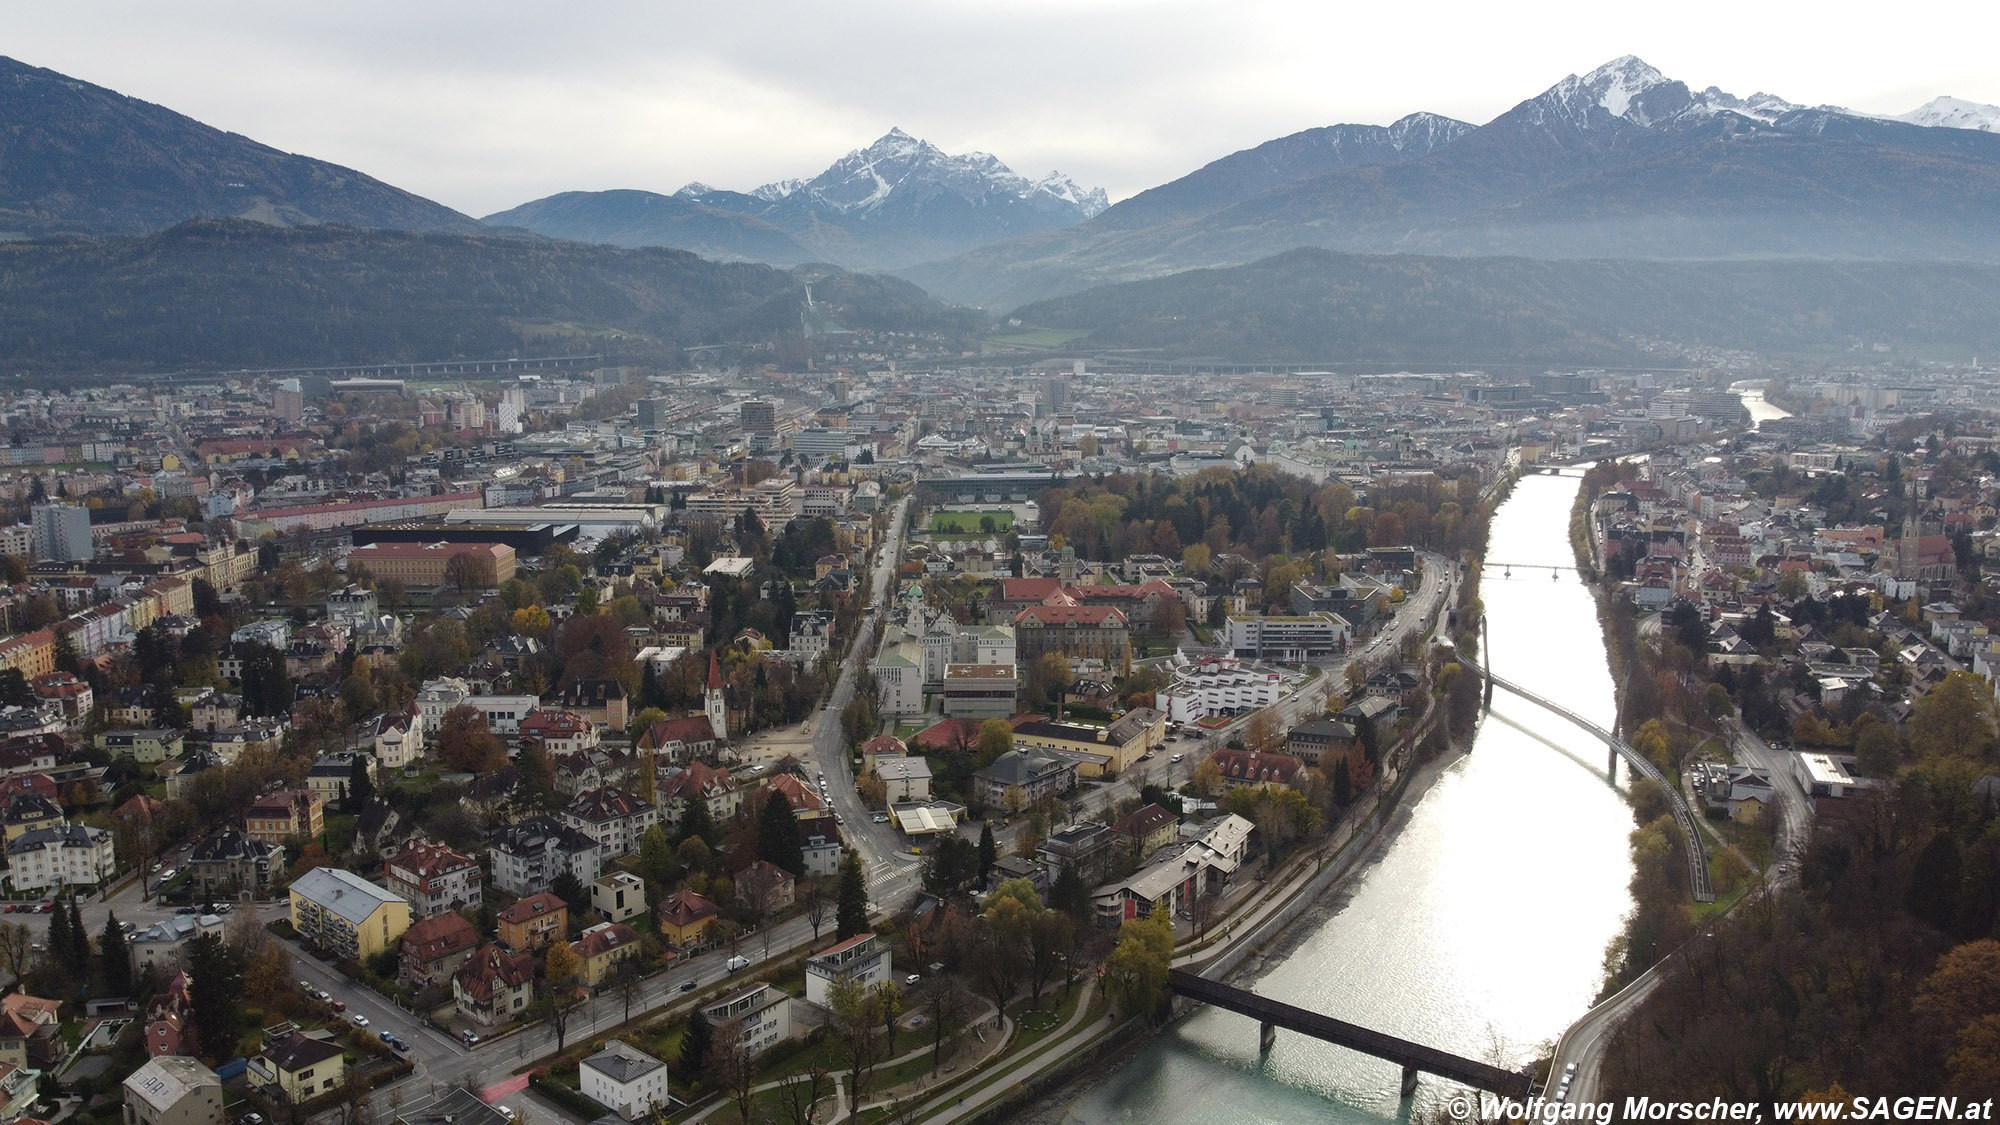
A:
{"x":528,"y":855}
{"x":717,"y":788}
{"x":346,"y":915}
{"x":618,"y":896}
{"x":626,"y":1080}
{"x":162,"y":943}
{"x":29,"y":811}
{"x":299,"y":1068}
{"x":765,"y":888}
{"x":1147,"y":830}
{"x":173,"y":1090}
{"x":31,"y":1032}
{"x":1257,"y":768}
{"x":67,"y":855}
{"x":1093,"y":848}
{"x":1097,"y":750}
{"x":908,"y":777}
{"x":759,"y":1014}
{"x":288,"y":814}
{"x":229,"y":862}
{"x":863,"y":957}
{"x":533,"y":922}
{"x":602,"y":947}
{"x":612,"y":817}
{"x":1036,"y":774}
{"x":494,"y":986}
{"x":601,"y":701}
{"x":61,"y":533}
{"x":435,"y":878}
{"x":143,"y":746}
{"x":682,"y":740}
{"x":559,"y":731}
{"x":683,"y":919}
{"x":432,"y":949}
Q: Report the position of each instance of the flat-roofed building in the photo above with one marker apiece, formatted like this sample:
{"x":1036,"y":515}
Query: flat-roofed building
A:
{"x":981,"y":691}
{"x":344,"y":914}
{"x":1291,"y":639}
{"x":760,"y":1014}
{"x":860,"y":958}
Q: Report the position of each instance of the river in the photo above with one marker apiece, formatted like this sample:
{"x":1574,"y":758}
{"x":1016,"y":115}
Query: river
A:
{"x":1751,"y":391}
{"x":1480,"y":927}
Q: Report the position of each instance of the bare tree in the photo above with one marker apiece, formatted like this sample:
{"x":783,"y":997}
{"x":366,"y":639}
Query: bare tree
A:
{"x":799,"y":1093}
{"x":627,"y":982}
{"x":945,"y":1003}
{"x":817,"y":905}
{"x":16,"y":942}
{"x":732,"y":1067}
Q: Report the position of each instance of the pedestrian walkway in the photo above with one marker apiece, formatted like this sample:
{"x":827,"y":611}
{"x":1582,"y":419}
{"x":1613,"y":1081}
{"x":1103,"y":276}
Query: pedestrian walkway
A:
{"x":1078,"y":1029}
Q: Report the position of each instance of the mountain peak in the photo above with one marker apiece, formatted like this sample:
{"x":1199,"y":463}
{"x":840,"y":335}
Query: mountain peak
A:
{"x":1955,"y":113}
{"x":1620,"y":82}
{"x":695,"y":189}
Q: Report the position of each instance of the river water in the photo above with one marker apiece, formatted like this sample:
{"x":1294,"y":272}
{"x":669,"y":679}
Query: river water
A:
{"x":1480,"y":927}
{"x":1752,"y":394}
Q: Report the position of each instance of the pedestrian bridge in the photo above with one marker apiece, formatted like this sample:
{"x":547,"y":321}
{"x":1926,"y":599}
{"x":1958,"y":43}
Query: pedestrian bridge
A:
{"x":1414,"y":1058}
{"x":1697,"y":859}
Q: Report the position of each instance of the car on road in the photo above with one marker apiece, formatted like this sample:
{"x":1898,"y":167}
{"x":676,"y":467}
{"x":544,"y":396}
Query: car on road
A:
{"x":322,"y":995}
{"x":340,"y":1005}
{"x":913,"y":980}
{"x":167,"y":876}
{"x":360,"y":1020}
{"x":1175,"y":758}
{"x":251,"y":1119}
{"x":469,"y":1038}
{"x":687,"y":986}
{"x":880,"y":818}
{"x":505,"y":1112}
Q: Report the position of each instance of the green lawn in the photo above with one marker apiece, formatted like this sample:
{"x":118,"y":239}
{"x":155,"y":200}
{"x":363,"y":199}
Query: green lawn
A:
{"x":971,"y":523}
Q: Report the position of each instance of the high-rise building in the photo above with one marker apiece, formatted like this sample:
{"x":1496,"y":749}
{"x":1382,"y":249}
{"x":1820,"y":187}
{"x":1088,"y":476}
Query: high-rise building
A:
{"x":288,"y":401}
{"x":62,"y":533}
{"x":760,"y":417}
{"x":653,"y":413}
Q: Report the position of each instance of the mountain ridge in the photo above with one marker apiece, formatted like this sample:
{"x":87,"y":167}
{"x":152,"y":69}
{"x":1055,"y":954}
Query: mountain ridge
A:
{"x":77,"y":158}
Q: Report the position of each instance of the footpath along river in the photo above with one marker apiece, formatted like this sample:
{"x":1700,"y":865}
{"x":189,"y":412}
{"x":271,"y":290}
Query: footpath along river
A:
{"x":1481,"y":924}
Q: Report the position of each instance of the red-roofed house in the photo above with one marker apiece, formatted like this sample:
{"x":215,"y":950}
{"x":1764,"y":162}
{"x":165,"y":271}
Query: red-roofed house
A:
{"x":494,"y":986}
{"x":435,"y":878}
{"x":1084,"y":633}
{"x":680,"y":740}
{"x":1252,"y":767}
{"x":433,"y":949}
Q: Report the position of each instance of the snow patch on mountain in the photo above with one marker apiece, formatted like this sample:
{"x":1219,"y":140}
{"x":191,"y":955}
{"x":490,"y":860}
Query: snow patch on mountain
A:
{"x":1955,"y":113}
{"x":695,"y":189}
{"x":1759,"y":106}
{"x":866,"y":178}
{"x":1621,"y":80}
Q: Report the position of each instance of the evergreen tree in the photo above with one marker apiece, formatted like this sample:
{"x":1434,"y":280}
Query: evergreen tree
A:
{"x":1070,"y":896}
{"x":778,"y":837}
{"x":695,"y":821}
{"x":989,"y":852}
{"x":59,"y":939}
{"x":851,"y":916}
{"x":360,"y":786}
{"x":1343,"y":783}
{"x":695,"y":1044}
{"x":78,"y":957}
{"x":570,"y":889}
{"x":1934,"y":883}
{"x":215,"y":973}
{"x":113,"y":963}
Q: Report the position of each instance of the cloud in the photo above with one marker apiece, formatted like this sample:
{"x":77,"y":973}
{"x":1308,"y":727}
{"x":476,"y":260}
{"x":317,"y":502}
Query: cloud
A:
{"x":485,"y":105}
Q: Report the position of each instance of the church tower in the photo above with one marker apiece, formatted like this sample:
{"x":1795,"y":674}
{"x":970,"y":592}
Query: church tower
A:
{"x":711,"y":700}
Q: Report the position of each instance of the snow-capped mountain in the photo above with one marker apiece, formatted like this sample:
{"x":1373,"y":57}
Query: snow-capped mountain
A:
{"x":1955,"y":113}
{"x":900,"y":200}
{"x":866,"y":178}
{"x":1620,"y":162}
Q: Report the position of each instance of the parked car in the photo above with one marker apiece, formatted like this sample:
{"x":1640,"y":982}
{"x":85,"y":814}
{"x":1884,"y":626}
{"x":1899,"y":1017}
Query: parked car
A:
{"x":322,"y":995}
{"x":1176,"y":758}
{"x":339,"y":1005}
{"x":468,"y":1037}
{"x":914,"y":979}
{"x":880,"y":818}
{"x":360,"y":1020}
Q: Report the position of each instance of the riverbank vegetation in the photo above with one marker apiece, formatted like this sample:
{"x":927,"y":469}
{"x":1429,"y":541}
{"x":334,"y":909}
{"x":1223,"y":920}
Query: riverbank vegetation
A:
{"x":1878,"y":973}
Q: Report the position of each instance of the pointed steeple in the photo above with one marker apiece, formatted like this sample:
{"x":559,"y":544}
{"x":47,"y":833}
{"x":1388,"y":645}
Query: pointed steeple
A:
{"x":714,"y":672}
{"x":713,"y":703}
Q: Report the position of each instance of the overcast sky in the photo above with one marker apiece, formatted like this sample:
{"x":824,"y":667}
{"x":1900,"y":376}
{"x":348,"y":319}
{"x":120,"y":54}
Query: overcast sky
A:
{"x":485,"y":105}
